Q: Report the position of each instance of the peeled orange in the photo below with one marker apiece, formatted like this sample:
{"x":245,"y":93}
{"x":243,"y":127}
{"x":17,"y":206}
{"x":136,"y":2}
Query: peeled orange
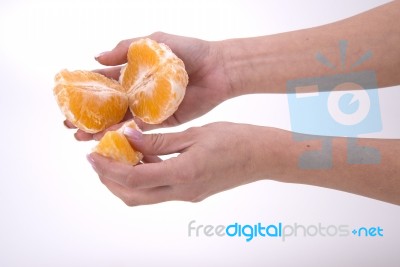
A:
{"x":152,"y":85}
{"x":115,"y":145}
{"x":89,"y":100}
{"x":155,"y":80}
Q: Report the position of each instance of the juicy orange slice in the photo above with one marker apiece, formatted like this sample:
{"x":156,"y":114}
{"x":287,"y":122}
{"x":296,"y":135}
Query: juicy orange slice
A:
{"x":89,"y":100}
{"x":152,"y":84}
{"x":155,"y":80}
{"x":115,"y":145}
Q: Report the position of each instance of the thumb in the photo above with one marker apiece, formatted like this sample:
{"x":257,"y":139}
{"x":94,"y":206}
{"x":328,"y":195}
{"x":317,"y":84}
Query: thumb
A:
{"x":157,"y":144}
{"x":117,"y":56}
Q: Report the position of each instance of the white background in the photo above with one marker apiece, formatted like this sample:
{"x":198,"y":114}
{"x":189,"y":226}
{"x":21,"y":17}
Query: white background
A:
{"x":54,"y":210}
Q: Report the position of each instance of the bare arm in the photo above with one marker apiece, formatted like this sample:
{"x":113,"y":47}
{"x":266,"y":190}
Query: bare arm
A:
{"x":379,"y":179}
{"x":265,"y":64}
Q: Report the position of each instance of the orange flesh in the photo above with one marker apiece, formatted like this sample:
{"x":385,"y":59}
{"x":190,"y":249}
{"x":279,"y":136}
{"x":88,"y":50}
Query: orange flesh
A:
{"x":89,"y":100}
{"x":155,"y":80}
{"x":115,"y":145}
{"x":152,"y":85}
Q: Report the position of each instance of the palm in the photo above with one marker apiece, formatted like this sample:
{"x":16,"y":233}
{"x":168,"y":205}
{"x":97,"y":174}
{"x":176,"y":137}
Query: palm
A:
{"x":207,"y":86}
{"x":207,"y":83}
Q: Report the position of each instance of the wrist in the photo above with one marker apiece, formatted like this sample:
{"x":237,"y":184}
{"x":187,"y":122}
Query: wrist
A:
{"x":219,"y":55}
{"x":250,"y":64}
{"x":234,"y":62}
{"x":274,"y":153}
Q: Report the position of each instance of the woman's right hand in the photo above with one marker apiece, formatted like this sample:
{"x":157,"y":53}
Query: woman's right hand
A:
{"x":208,"y":83}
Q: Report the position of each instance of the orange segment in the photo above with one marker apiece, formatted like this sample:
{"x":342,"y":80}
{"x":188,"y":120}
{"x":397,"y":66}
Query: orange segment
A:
{"x":89,"y":100}
{"x":115,"y":145}
{"x":152,"y":84}
{"x":155,"y":80}
{"x":143,"y":59}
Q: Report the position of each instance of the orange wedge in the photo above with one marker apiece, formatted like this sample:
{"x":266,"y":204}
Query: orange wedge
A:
{"x":89,"y":100}
{"x":152,"y":85}
{"x":155,"y":80}
{"x":115,"y":145}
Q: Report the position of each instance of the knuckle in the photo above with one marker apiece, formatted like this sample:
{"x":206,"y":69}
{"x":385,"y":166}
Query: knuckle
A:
{"x":103,"y":166}
{"x":197,"y":199}
{"x":129,"y":199}
{"x":192,"y":130}
{"x":130,"y":202}
{"x":100,"y":170}
{"x":158,"y":35}
{"x":130,"y":181}
{"x":157,"y":141}
{"x":103,"y":180}
{"x":193,"y":197}
{"x":123,"y":43}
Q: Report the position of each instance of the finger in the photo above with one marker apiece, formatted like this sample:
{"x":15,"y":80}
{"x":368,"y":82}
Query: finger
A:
{"x":99,"y":135}
{"x":145,"y":126}
{"x":69,"y":125}
{"x":128,"y":116}
{"x":136,"y":197}
{"x":112,"y":73}
{"x":170,"y":122}
{"x":139,"y":176}
{"x":151,"y":159}
{"x":117,"y":56}
{"x":83,"y":136}
{"x":158,"y":144}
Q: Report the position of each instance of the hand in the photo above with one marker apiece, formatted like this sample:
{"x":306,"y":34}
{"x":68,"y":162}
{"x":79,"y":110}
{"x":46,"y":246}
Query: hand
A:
{"x":212,"y":158}
{"x":208,"y":85}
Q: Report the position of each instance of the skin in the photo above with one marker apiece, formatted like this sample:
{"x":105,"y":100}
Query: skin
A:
{"x":208,"y":83}
{"x":220,"y":156}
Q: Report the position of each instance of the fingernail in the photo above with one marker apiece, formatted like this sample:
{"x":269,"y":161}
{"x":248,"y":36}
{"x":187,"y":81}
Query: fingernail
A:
{"x":90,"y":159}
{"x":133,"y":134}
{"x":96,"y":57}
{"x":92,"y":162}
{"x":67,"y":125}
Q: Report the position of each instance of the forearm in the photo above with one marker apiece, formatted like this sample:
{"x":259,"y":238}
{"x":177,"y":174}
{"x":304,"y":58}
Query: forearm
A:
{"x":379,"y":180}
{"x":265,"y":64}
